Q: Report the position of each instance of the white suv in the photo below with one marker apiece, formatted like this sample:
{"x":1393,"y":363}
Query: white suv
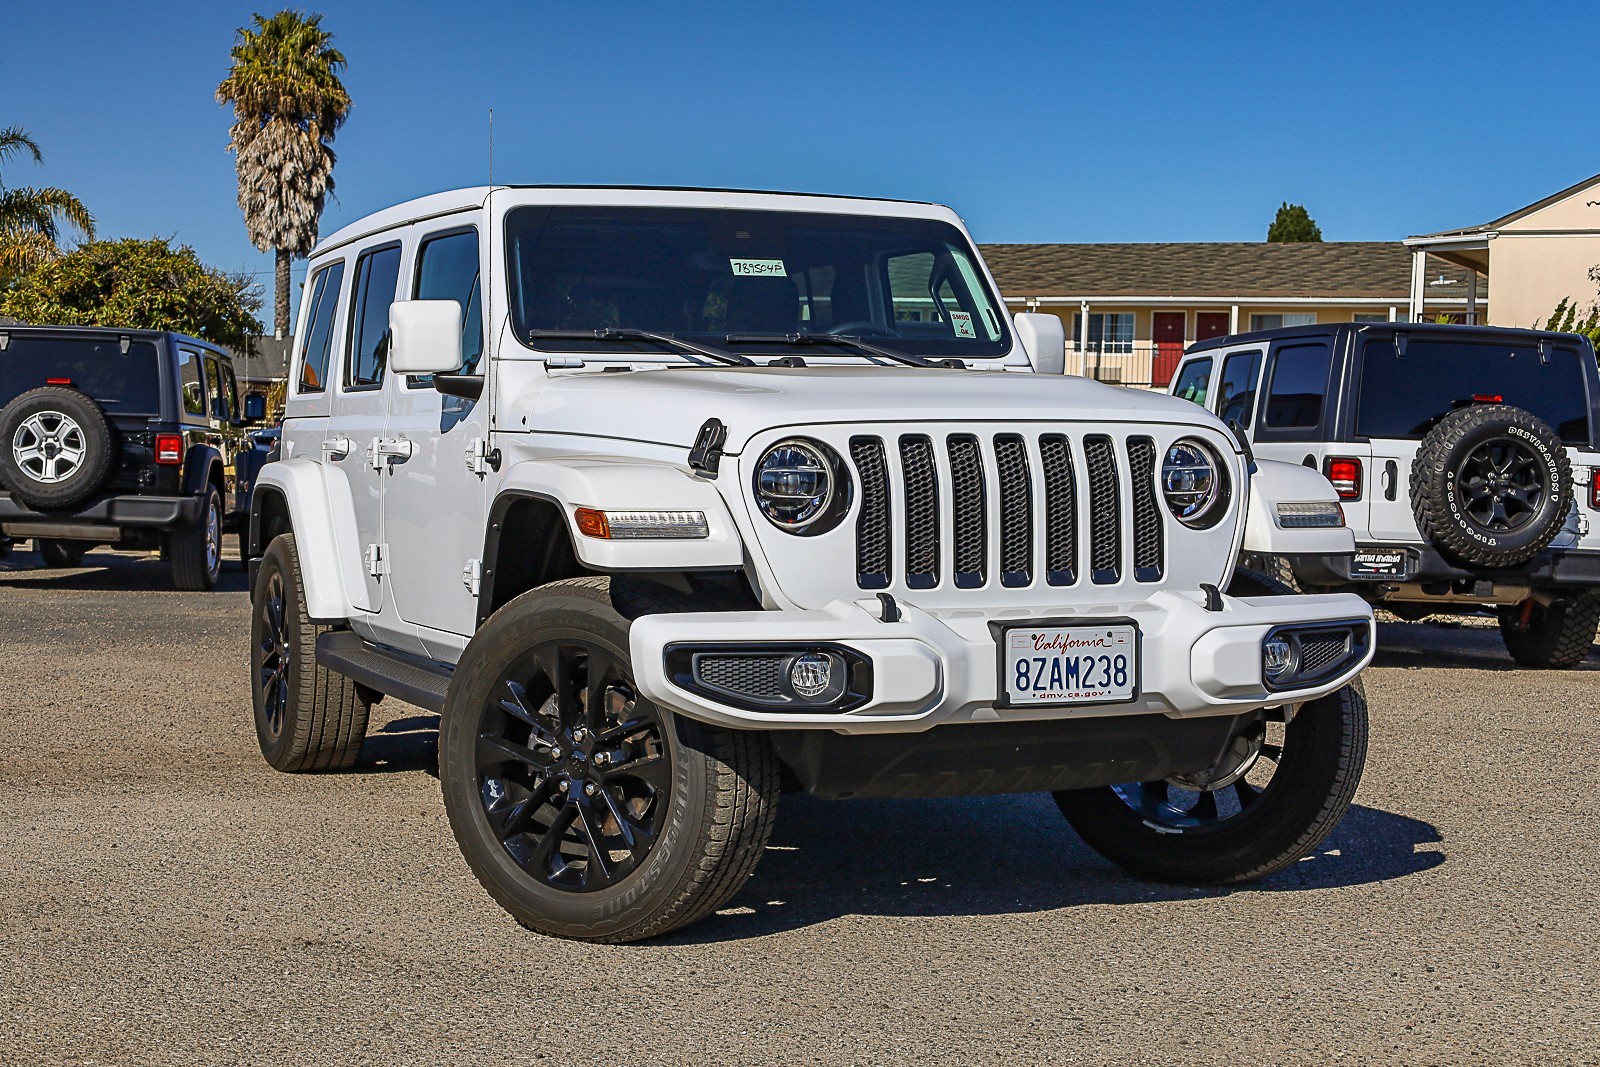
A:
{"x":667,"y":500}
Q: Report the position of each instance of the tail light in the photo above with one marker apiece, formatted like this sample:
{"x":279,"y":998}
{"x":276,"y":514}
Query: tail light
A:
{"x":58,"y":381}
{"x":169,"y":449}
{"x":1345,"y":474}
{"x":1594,"y":489}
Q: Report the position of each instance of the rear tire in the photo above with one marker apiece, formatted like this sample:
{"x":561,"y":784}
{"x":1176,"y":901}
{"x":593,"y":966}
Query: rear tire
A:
{"x":308,"y":718}
{"x":586,"y":811}
{"x":56,"y":447}
{"x":195,"y":552}
{"x":1556,"y":636}
{"x":60,"y":553}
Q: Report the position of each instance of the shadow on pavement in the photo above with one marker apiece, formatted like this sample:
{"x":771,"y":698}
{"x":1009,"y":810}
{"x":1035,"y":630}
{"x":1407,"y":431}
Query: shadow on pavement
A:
{"x":1448,"y":643}
{"x":1000,"y":855}
{"x":409,"y":744}
{"x":108,"y":572}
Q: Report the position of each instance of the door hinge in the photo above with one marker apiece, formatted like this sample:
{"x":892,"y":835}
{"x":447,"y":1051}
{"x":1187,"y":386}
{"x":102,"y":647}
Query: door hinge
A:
{"x":384,"y":449}
{"x":377,"y":560}
{"x":472,"y":576}
{"x":481,"y":459}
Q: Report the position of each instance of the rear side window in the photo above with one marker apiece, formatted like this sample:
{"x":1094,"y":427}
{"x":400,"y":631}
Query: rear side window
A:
{"x":189,"y":383}
{"x":1236,"y":393}
{"x":377,"y":275}
{"x":447,"y":269}
{"x":1405,"y":396}
{"x":1193,"y":381}
{"x":230,"y":390}
{"x":219,"y":404}
{"x":1299,"y":382}
{"x":319,"y":333}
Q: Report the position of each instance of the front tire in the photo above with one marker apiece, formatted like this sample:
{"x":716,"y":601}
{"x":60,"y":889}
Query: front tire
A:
{"x":308,"y":718}
{"x":584,"y":809}
{"x":1550,"y":636}
{"x":195,"y":552}
{"x":60,"y":554}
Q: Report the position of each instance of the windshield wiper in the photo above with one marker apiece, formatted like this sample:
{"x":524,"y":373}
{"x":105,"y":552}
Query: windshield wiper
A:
{"x":611,"y":333}
{"x":842,"y":340}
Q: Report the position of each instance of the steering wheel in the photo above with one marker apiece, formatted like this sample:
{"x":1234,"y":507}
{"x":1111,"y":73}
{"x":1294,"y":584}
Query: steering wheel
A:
{"x":861,"y":328}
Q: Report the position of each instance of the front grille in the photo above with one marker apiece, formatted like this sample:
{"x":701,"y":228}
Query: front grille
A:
{"x":951,"y":518}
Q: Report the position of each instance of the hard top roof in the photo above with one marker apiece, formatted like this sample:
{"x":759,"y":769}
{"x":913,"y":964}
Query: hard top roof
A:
{"x":1327,"y":329}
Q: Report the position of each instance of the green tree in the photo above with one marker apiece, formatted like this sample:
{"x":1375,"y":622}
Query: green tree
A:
{"x":1292,"y":224}
{"x":288,"y":103}
{"x":31,"y":219}
{"x":1570,"y":316}
{"x":139,"y":285}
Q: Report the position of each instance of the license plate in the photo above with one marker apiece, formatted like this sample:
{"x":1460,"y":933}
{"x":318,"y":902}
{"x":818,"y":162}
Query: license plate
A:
{"x":1367,"y":564}
{"x":1069,"y":664}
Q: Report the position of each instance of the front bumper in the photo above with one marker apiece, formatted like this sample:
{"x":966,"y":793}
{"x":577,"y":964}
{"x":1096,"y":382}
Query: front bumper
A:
{"x":112,"y":512}
{"x":929,"y":669}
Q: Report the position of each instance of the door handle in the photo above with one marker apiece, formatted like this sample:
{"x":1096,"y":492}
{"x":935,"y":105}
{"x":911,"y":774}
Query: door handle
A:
{"x":384,"y":449}
{"x":1391,"y":480}
{"x":337,"y":448}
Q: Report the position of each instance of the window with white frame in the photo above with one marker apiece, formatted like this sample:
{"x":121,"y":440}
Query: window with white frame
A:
{"x":1364,"y":317}
{"x":1273,"y":322}
{"x":1107,"y":332}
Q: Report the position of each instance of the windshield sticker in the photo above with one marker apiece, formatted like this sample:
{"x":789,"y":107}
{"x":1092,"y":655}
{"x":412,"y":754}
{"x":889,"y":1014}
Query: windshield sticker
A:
{"x":758,"y":268}
{"x":963,"y":324}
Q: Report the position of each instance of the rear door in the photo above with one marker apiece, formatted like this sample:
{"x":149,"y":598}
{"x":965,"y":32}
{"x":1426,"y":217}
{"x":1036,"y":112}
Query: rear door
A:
{"x":1297,"y":419}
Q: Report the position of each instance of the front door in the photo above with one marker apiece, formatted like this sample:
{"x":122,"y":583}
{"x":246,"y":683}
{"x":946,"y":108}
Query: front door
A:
{"x":435,"y":499}
{"x":1168,"y":334}
{"x":1209,"y":324}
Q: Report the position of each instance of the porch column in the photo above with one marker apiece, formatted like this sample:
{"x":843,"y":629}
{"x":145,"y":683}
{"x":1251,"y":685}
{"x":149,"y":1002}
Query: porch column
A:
{"x":1419,"y":272}
{"x":1472,"y":297}
{"x":1394,"y":313}
{"x":1083,"y":327}
{"x":1233,"y":319}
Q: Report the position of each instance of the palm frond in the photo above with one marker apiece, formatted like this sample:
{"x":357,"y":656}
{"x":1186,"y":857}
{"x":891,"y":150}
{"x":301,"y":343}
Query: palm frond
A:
{"x":15,"y":139}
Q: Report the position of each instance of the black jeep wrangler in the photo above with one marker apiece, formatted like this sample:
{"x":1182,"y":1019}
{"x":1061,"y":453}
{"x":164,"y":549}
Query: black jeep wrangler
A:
{"x":130,"y":438}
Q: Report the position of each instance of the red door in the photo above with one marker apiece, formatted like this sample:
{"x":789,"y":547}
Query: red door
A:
{"x":1168,"y":331}
{"x":1209,"y":324}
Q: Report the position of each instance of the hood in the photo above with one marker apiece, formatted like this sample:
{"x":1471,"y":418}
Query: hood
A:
{"x":668,"y":406}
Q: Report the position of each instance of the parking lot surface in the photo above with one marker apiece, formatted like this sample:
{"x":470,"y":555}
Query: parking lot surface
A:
{"x":169,"y":898}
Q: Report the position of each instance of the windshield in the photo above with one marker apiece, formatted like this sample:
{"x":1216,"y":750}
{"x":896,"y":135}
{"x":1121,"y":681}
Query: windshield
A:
{"x":122,"y":383}
{"x":708,"y":274}
{"x":1405,"y":396}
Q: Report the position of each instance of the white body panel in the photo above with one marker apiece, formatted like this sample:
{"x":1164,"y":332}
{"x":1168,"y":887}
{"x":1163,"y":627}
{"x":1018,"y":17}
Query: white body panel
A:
{"x":1290,"y":483}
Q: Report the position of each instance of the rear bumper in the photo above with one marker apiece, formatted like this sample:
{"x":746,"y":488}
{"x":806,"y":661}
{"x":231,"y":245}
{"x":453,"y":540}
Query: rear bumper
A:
{"x":928,"y":670}
{"x":110,"y":513}
{"x":1552,"y":567}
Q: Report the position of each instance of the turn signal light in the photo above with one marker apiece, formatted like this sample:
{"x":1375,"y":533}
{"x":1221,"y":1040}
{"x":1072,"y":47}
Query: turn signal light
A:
{"x":592,"y":523}
{"x":1345,"y":474}
{"x":169,"y":449}
{"x":641,"y":525}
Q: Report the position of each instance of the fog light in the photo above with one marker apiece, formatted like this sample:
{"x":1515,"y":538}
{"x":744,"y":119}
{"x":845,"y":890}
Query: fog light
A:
{"x":1276,"y":657}
{"x":811,"y":675}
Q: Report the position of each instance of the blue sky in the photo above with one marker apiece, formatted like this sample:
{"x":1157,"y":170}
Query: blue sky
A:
{"x":1036,"y":121}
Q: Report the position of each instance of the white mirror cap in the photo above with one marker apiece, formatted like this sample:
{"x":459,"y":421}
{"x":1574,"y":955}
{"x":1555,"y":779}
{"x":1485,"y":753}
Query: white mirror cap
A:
{"x":1044,"y":338}
{"x":424,"y":336}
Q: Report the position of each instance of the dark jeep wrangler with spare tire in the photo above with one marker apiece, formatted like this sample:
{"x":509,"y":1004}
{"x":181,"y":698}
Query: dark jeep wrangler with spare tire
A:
{"x":129,"y":438}
{"x":1465,"y":459}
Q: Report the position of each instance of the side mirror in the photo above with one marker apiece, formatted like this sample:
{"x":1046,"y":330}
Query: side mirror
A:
{"x":1044,"y":339}
{"x":255,"y":407}
{"x":424,"y":336}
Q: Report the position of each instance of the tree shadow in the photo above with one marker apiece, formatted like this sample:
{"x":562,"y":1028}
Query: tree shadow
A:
{"x":998,"y":856}
{"x":107,"y":571}
{"x":1450,"y":643}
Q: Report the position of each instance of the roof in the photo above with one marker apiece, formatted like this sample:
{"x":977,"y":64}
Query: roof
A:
{"x":1415,"y":329}
{"x":267,"y":360}
{"x":1375,"y":270}
{"x":1520,"y":213}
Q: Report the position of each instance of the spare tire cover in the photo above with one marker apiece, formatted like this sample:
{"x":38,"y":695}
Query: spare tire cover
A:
{"x":1491,"y":486}
{"x":55,"y":447}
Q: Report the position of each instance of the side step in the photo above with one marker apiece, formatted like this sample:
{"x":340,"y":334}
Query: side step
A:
{"x":397,"y":674}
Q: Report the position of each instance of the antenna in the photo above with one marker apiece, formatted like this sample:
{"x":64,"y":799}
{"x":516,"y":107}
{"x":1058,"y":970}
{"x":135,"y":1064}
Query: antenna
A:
{"x":488,"y":288}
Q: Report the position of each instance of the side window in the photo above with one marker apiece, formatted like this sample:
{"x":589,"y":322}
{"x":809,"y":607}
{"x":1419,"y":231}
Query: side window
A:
{"x":377,"y":274}
{"x":1193,"y":381}
{"x":190,"y":385}
{"x":219,"y":406}
{"x":230,"y":389}
{"x":1299,"y":382}
{"x":319,"y":331}
{"x":447,"y":269}
{"x":1236,"y":393}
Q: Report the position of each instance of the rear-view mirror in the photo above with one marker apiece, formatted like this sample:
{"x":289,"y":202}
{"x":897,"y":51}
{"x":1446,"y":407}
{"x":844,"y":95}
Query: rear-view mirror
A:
{"x":1044,"y":339}
{"x":255,"y":407}
{"x":425,"y":336}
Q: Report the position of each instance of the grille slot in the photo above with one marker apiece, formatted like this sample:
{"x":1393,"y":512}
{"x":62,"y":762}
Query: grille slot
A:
{"x":1105,"y":519}
{"x":968,"y":510}
{"x":1146,"y":514}
{"x":1016,"y":510}
{"x":1320,"y":652}
{"x":750,"y":676}
{"x":1061,"y":511}
{"x":922,"y":512}
{"x":874,"y":537}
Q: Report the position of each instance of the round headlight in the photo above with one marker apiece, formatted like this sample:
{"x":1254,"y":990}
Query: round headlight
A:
{"x":1193,"y":482}
{"x":801,"y":486}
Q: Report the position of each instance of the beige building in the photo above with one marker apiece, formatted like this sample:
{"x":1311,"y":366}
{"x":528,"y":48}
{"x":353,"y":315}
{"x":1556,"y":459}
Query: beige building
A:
{"x":1537,"y":256}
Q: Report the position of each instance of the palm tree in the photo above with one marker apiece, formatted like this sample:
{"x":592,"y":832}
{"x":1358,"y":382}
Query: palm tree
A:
{"x":31,"y":219}
{"x":287,"y":104}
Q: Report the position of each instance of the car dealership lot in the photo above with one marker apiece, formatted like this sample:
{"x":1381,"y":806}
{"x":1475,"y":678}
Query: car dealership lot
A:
{"x":168,"y":897}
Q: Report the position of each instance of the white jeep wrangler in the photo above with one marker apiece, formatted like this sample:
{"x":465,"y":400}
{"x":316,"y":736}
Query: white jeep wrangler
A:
{"x":666,"y":500}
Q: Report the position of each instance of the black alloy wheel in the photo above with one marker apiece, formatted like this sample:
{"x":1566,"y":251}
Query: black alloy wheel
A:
{"x":272,"y":636}
{"x":1192,"y":804}
{"x":574,"y":770}
{"x":1501,"y":484}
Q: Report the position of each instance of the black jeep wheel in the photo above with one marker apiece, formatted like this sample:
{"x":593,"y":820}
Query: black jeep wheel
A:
{"x":584,"y":809}
{"x":60,"y":553}
{"x":308,"y":718}
{"x":55,"y":447}
{"x":1491,"y":486}
{"x":1282,"y":785}
{"x":1551,"y":636}
{"x":195,"y":550}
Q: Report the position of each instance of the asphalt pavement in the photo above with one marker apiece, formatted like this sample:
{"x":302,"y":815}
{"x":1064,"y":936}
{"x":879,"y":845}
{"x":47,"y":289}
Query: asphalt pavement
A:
{"x":167,"y":898}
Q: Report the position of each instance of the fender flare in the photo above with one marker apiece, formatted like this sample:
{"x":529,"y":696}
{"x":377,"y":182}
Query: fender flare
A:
{"x":322,"y":516}
{"x":197,"y":466}
{"x":1276,"y":482}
